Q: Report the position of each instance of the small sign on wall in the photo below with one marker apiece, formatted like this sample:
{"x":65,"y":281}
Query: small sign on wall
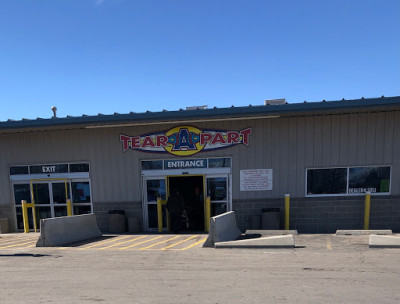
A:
{"x":256,"y":180}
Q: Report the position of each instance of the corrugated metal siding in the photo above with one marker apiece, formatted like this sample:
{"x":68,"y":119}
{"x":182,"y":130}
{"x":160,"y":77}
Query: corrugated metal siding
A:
{"x":288,"y":145}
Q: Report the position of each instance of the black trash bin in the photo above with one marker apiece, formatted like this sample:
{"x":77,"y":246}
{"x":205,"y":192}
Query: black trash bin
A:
{"x":116,"y":221}
{"x":271,"y":218}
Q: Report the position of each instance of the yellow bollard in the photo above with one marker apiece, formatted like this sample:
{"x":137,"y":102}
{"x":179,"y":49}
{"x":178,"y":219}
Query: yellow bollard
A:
{"x":208,"y":214}
{"x":25,"y":216}
{"x":367,"y":210}
{"x":69,"y":207}
{"x":34,"y":216}
{"x":25,"y":206}
{"x":159,"y":214}
{"x":287,"y":208}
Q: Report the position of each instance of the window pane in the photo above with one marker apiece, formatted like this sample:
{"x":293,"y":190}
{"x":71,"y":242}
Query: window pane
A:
{"x":79,"y":167}
{"x":372,"y":179}
{"x":217,"y":188}
{"x":80,"y":192}
{"x":155,"y":188}
{"x":22,"y":192}
{"x":41,"y":193}
{"x":219,"y":162}
{"x":19,"y":170}
{"x":152,"y":165}
{"x":59,"y":193}
{"x":327,"y":181}
{"x":60,"y":211}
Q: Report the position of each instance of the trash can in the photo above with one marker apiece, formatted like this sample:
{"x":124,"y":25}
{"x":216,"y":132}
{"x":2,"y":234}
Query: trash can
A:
{"x":116,"y":221}
{"x":4,"y":225}
{"x":271,"y":218}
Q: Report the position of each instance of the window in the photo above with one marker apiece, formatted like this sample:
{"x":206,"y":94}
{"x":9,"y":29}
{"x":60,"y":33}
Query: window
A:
{"x":327,"y":181}
{"x":152,"y":165}
{"x":372,"y":179}
{"x":352,"y":180}
{"x":19,"y":170}
{"x":80,"y":192}
{"x":219,"y":162}
{"x":84,"y":167}
{"x":155,"y":188}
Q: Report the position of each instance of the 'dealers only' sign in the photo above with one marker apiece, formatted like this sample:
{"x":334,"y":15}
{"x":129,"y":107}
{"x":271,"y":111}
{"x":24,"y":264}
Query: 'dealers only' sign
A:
{"x":185,"y":140}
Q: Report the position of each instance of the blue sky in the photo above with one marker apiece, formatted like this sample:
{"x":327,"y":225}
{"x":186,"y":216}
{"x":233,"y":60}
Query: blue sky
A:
{"x":106,"y":56}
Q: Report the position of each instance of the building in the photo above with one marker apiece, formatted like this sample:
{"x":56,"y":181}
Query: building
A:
{"x":326,"y":155}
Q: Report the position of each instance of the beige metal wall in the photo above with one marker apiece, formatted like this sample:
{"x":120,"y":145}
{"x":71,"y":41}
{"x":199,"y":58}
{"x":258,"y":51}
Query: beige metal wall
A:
{"x":287,"y":145}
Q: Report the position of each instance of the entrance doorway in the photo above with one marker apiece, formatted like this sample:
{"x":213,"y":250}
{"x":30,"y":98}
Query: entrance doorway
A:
{"x":210,"y":181}
{"x":192,"y":190}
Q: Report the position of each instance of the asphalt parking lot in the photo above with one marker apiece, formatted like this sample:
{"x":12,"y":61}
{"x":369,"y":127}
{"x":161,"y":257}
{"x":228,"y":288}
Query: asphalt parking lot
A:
{"x":176,"y":269}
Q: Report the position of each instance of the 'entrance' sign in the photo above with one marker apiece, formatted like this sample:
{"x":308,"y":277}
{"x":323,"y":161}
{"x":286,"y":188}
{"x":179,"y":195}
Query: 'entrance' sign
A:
{"x":183,"y":164}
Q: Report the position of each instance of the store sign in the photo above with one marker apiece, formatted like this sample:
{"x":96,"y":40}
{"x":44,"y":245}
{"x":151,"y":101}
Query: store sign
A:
{"x":185,"y":140}
{"x":187,"y":163}
{"x":256,"y":180}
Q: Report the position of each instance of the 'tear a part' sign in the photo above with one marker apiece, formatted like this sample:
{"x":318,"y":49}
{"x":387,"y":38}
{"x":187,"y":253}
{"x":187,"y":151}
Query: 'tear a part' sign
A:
{"x":185,"y":140}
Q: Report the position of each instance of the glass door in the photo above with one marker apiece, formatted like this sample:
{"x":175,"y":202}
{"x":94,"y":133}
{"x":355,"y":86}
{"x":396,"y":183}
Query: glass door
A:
{"x":152,"y":188}
{"x":59,"y":193}
{"x":50,"y":197}
{"x":219,"y":193}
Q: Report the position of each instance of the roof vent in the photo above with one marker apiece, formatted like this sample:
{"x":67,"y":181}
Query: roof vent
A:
{"x":196,"y":108}
{"x":274,"y":102}
{"x":54,"y":109}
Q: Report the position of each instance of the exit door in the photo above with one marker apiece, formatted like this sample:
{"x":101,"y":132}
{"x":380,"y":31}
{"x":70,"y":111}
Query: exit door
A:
{"x":50,"y":198}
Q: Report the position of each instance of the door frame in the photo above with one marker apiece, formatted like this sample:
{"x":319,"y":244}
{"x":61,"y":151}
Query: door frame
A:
{"x":162,"y":175}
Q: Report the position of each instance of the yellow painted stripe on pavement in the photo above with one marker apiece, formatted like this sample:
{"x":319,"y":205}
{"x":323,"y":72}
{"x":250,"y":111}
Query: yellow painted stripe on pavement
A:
{"x":17,"y":240}
{"x":123,"y":248}
{"x":105,"y":242}
{"x":128,"y":241}
{"x":159,"y":242}
{"x":192,"y":237}
{"x":19,"y":244}
{"x":201,"y":241}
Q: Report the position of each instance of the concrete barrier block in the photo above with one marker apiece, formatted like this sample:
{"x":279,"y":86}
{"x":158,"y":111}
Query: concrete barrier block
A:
{"x":384,"y":241}
{"x":279,"y":241}
{"x":222,"y":228}
{"x":69,"y":229}
{"x":272,"y":232}
{"x":363,"y":232}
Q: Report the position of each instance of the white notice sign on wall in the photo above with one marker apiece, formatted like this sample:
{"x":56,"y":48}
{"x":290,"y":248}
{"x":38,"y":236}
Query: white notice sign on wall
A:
{"x":256,"y":180}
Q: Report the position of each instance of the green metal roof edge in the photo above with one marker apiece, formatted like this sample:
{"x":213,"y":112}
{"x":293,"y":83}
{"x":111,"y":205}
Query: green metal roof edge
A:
{"x":215,"y":113}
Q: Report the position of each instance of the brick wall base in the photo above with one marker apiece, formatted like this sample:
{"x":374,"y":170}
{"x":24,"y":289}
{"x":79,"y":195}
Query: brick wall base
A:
{"x":132,"y":209}
{"x":324,"y":215}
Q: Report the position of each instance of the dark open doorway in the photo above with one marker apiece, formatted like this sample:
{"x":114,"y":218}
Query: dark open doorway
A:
{"x":192,"y":189}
